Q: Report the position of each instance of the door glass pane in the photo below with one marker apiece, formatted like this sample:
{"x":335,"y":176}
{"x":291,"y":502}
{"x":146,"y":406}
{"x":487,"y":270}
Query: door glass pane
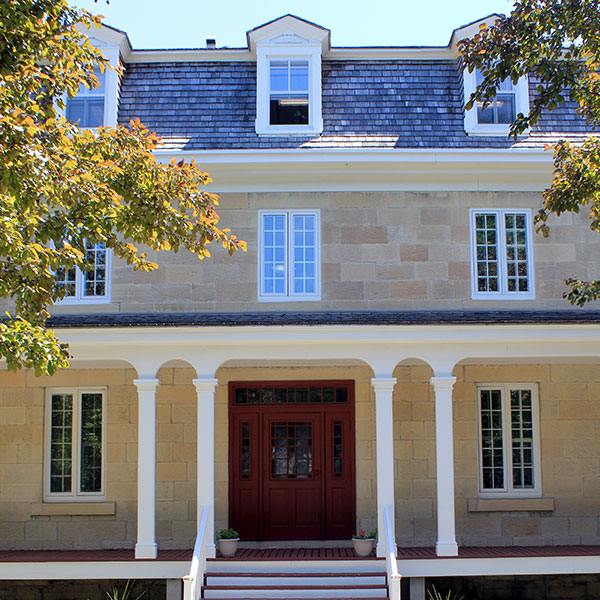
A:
{"x":291,"y":450}
{"x":245,"y":441}
{"x":338,"y":450}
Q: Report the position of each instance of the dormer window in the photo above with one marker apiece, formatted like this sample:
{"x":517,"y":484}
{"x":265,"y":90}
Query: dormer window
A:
{"x":289,"y":92}
{"x":501,"y":111}
{"x":86,"y":109}
{"x":288,"y":76}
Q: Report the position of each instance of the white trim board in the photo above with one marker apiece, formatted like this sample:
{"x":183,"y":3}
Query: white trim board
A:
{"x":130,"y":569}
{"x":390,"y":169}
{"x":472,"y":567}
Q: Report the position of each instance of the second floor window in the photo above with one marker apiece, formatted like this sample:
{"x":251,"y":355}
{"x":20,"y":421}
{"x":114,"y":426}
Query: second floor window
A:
{"x":288,"y":99}
{"x":501,"y":258}
{"x":91,"y":286}
{"x":289,"y":255}
{"x":86,"y":109}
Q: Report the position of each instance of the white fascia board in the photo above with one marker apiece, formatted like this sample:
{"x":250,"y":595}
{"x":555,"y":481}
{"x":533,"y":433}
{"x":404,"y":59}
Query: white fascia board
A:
{"x":416,"y":53}
{"x":242,"y":54}
{"x":464,"y":335}
{"x":195,"y":55}
{"x":372,"y":170}
{"x":473,"y":567}
{"x":130,"y":569}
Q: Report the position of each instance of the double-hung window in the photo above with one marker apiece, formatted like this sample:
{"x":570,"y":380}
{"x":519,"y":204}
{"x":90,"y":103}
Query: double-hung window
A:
{"x":501,"y":256}
{"x":86,"y":109}
{"x":74,"y":446}
{"x":289,"y":255}
{"x":497,"y":116}
{"x":509,"y":440}
{"x":288,"y":99}
{"x":503,"y":107}
{"x":91,"y":286}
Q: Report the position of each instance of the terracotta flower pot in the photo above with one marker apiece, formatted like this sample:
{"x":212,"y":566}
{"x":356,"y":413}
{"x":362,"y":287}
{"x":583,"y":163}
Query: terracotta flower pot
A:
{"x":363,"y":547}
{"x":228,"y":548}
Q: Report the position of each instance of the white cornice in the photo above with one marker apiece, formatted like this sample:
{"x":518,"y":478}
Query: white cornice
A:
{"x":387,"y":169}
{"x":242,"y":54}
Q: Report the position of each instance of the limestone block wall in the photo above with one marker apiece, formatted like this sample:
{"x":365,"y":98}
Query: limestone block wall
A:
{"x":568,"y":513}
{"x":380,"y":250}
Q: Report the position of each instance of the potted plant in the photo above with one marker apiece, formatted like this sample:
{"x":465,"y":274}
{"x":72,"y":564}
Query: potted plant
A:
{"x":363,"y":543}
{"x":227,"y":542}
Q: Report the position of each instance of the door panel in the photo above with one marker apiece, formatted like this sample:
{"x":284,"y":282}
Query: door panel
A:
{"x":292,"y":487}
{"x":244,"y":484}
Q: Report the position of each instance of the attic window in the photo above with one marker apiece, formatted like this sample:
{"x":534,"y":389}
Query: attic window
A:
{"x":502,"y":109}
{"x":289,"y":92}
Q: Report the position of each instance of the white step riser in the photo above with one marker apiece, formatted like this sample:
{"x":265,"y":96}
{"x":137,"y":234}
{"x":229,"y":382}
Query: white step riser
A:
{"x":298,"y":594}
{"x":295,"y":581}
{"x":293,"y":566}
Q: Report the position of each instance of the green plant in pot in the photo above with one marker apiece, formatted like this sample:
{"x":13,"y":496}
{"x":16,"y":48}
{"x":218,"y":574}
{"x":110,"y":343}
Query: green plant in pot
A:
{"x":227,"y":542}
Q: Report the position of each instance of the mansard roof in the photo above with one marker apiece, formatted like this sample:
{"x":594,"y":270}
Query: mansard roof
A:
{"x":371,"y":98}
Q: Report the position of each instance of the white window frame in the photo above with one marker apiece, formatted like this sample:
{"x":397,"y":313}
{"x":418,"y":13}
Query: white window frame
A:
{"x":85,"y":94}
{"x":79,"y":297}
{"x":508,"y":491}
{"x":472,"y":125}
{"x":75,"y":495}
{"x":289,"y":296}
{"x":264,"y":55}
{"x":502,"y":293}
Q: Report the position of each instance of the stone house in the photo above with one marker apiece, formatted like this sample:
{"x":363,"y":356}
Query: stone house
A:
{"x":392,"y":352}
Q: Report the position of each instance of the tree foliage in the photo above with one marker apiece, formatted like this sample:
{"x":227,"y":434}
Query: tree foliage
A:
{"x":559,"y":41}
{"x":62,"y":187}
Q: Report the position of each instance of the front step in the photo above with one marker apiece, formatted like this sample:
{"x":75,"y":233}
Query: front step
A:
{"x":296,"y":579}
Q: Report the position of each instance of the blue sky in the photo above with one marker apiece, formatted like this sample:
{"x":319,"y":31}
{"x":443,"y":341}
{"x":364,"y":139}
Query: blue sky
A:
{"x":187,"y":23}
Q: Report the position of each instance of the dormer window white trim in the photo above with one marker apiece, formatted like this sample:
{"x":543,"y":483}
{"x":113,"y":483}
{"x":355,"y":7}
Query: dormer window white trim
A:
{"x":304,"y":59}
{"x":288,"y":76}
{"x":496,"y":117}
{"x":114,"y":45}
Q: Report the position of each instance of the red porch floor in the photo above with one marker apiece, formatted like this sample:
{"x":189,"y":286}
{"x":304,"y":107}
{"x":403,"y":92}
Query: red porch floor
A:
{"x":297,"y":554}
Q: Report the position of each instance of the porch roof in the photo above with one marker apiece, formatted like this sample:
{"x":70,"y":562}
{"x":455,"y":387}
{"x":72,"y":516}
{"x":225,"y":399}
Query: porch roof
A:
{"x":279,"y":318}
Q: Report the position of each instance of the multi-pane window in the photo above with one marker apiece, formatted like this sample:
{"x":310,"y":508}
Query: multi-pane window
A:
{"x":74,"y":444}
{"x":93,"y":285}
{"x":509,"y":440}
{"x":289,"y":255}
{"x":288,"y":99}
{"x":86,"y":109}
{"x":501,"y":258}
{"x":502,"y":108}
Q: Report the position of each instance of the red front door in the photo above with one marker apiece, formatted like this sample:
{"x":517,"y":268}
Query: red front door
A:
{"x":292,"y":460}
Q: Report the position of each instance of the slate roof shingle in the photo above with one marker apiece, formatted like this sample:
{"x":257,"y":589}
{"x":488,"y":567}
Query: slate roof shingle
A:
{"x":366,"y":104}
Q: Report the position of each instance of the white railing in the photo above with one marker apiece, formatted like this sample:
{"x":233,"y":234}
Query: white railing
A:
{"x":192,"y":583}
{"x":391,"y":563}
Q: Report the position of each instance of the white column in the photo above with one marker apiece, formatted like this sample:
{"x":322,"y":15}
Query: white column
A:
{"x":146,"y":498}
{"x":205,"y":389}
{"x":444,"y":460}
{"x":384,"y":433}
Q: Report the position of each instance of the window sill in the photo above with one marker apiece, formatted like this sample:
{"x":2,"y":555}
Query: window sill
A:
{"x":47,"y":509}
{"x":510,"y":505}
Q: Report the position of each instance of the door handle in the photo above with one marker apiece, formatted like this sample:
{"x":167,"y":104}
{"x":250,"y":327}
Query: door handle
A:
{"x":317,"y":473}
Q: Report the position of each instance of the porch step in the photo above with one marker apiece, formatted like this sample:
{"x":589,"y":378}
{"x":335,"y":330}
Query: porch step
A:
{"x":314,"y":579}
